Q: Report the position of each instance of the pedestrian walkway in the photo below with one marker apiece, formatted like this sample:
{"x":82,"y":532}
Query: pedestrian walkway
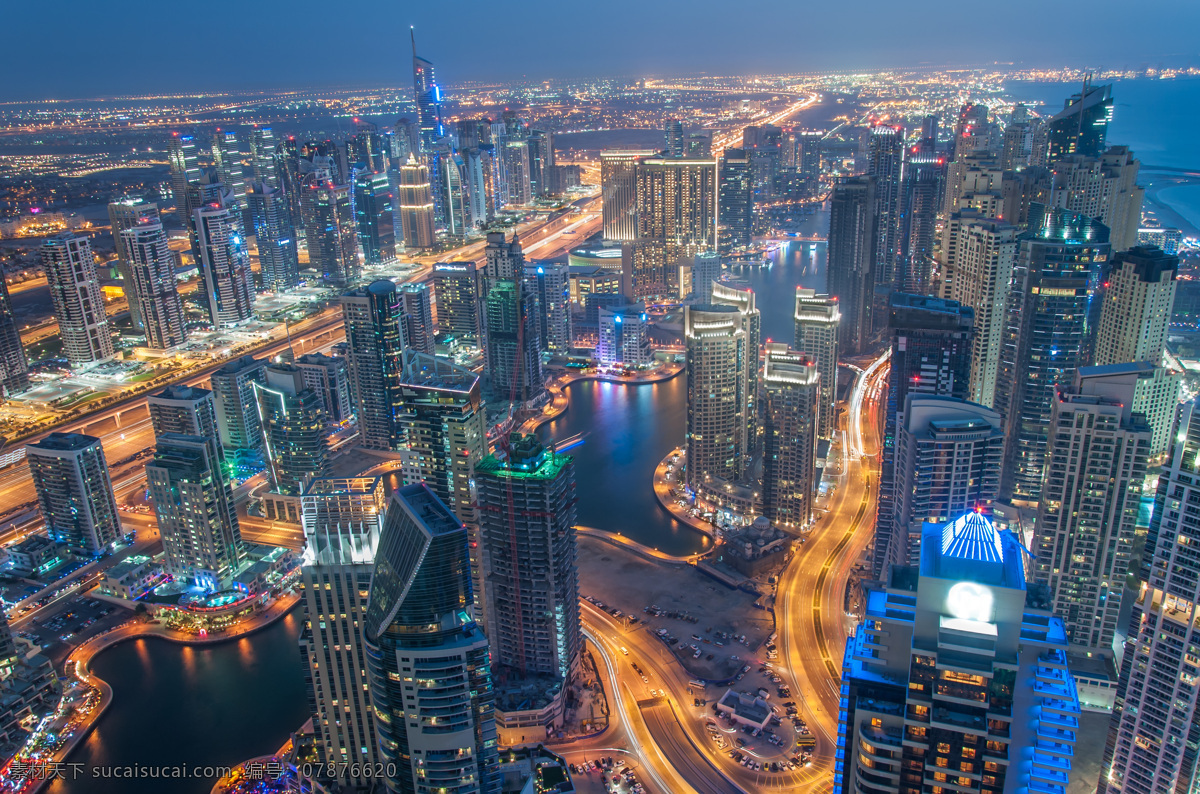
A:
{"x":557,"y":387}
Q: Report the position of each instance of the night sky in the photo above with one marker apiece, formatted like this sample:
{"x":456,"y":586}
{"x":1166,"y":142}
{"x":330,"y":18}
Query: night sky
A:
{"x":72,"y":49}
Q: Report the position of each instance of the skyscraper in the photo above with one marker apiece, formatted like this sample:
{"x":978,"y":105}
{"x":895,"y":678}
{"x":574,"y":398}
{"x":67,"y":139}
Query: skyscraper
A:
{"x":329,"y":377}
{"x":418,"y":626}
{"x":341,"y":518}
{"x":1050,"y":310}
{"x":444,"y":428}
{"x":373,"y":210}
{"x":947,"y":462}
{"x":541,"y":162}
{"x":740,"y":296}
{"x":184,"y":158}
{"x":332,"y":233}
{"x":1095,"y":463}
{"x":677,"y":201}
{"x":70,"y":271}
{"x":374,"y":322}
{"x":193,"y":503}
{"x":293,"y":427}
{"x":262,"y":158}
{"x":1154,"y":729}
{"x":123,"y":215}
{"x":550,"y":284}
{"x":503,"y":259}
{"x":458,"y":295}
{"x":618,"y":191}
{"x":227,"y":159}
{"x":275,"y":237}
{"x":1137,"y":305}
{"x":428,"y":98}
{"x":415,"y":202}
{"x":673,"y":135}
{"x":152,"y":273}
{"x":1103,"y":187}
{"x":513,"y":343}
{"x":715,"y":338}
{"x":931,"y":354}
{"x":623,"y":335}
{"x":921,"y":192}
{"x":792,"y":389}
{"x":238,"y":425}
{"x":705,"y":271}
{"x":957,"y":676}
{"x":531,"y":580}
{"x":977,"y":258}
{"x":1082,"y":125}
{"x":418,"y":317}
{"x":817,"y":319}
{"x":764,"y":146}
{"x":224,"y":266}
{"x":14,"y":367}
{"x":186,"y":410}
{"x":885,"y":153}
{"x":736,"y":201}
{"x":74,"y":491}
{"x":851,"y":259}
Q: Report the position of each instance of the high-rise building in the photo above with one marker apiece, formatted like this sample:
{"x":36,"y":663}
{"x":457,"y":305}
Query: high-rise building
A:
{"x":331,"y":232}
{"x":736,"y":201}
{"x":186,"y":410}
{"x":152,"y":274}
{"x":541,"y":163}
{"x":75,"y":493}
{"x":238,"y":425}
{"x":293,"y":427}
{"x":513,"y":343}
{"x":921,"y":192}
{"x":123,"y":215}
{"x":1155,"y":729}
{"x":550,"y":283}
{"x":817,"y":319}
{"x":78,"y":303}
{"x":740,"y":296}
{"x":428,"y":98}
{"x":374,"y":319}
{"x":341,"y":518}
{"x":1104,"y":188}
{"x":808,"y":161}
{"x":698,"y":144}
{"x":444,"y":428}
{"x":275,"y":237}
{"x":224,"y":265}
{"x":419,"y":329}
{"x":1082,"y":125}
{"x":193,"y":503}
{"x":516,"y":187}
{"x":1137,"y":305}
{"x":885,"y":162}
{"x":531,"y":579}
{"x":957,"y":677}
{"x":677,"y":201}
{"x":415,"y":203}
{"x":623,"y":335}
{"x":14,"y":367}
{"x":1050,"y":312}
{"x":764,"y":146}
{"x":418,"y":627}
{"x":227,"y":159}
{"x":458,"y":295}
{"x":373,"y":211}
{"x":977,"y":258}
{"x":618,"y":191}
{"x":851,"y":260}
{"x":792,"y":390}
{"x":931,"y":354}
{"x":1095,"y":463}
{"x":329,"y":377}
{"x":705,"y":269}
{"x":183,"y":155}
{"x":947,"y":462}
{"x":673,"y":135}
{"x":479,"y":183}
{"x":717,"y":345}
{"x":502,"y":259}
{"x":263,"y":167}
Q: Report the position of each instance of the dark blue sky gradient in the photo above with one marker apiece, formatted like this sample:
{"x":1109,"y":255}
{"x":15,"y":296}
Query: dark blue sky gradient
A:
{"x":72,"y":49}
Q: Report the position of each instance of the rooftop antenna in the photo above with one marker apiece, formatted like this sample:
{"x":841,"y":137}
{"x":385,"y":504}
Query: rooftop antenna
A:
{"x":413,"y":36}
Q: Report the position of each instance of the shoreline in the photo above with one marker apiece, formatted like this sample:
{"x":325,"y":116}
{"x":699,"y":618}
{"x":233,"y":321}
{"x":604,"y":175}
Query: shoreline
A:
{"x":1167,"y":214}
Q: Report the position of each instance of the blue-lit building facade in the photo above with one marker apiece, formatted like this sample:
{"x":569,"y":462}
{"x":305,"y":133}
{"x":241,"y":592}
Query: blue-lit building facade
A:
{"x":957,"y":680}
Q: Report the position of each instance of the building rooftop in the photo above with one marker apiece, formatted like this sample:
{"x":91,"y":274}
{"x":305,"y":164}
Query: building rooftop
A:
{"x":65,"y":442}
{"x":972,"y":537}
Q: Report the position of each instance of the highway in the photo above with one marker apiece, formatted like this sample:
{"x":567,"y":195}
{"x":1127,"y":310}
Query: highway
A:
{"x":809,"y":607}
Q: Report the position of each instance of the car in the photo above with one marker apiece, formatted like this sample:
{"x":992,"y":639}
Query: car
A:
{"x":624,"y":650}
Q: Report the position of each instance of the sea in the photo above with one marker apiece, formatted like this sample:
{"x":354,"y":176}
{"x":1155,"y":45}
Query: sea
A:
{"x":1157,"y":120}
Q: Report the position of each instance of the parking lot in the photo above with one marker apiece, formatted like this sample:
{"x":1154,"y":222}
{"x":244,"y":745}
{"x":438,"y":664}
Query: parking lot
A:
{"x":67,"y":624}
